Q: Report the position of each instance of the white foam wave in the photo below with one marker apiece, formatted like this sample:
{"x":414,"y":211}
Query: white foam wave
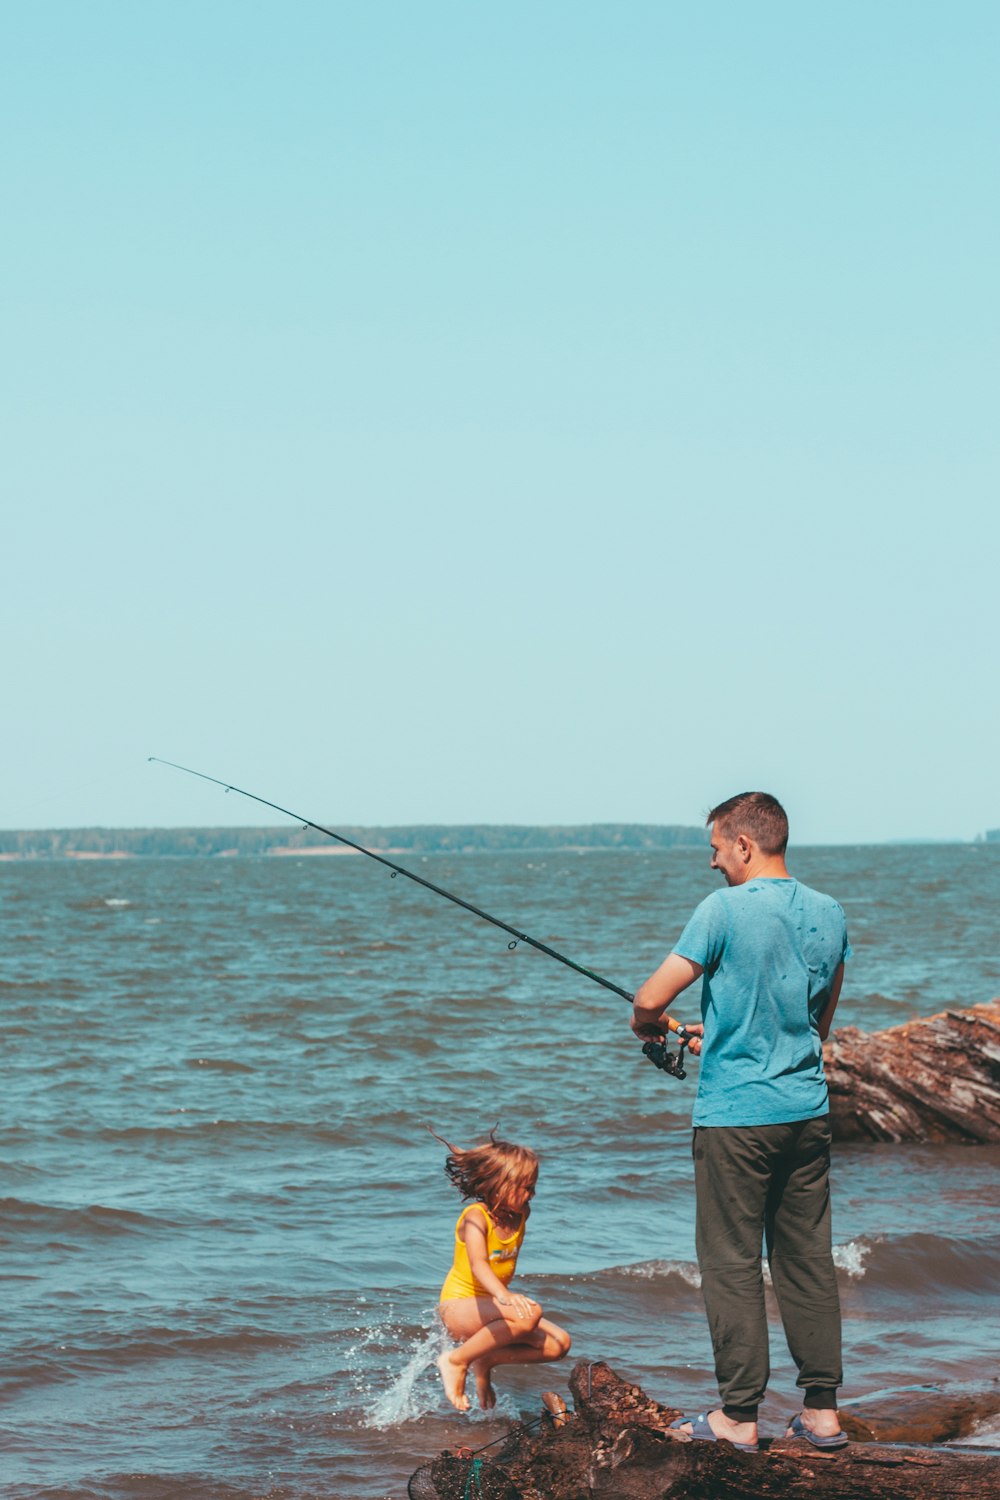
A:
{"x":646,"y":1270}
{"x":985,"y":1434}
{"x":852,"y":1256}
{"x":849,"y":1258}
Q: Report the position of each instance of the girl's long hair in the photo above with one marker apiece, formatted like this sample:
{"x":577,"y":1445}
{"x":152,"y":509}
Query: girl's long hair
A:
{"x":493,"y":1171}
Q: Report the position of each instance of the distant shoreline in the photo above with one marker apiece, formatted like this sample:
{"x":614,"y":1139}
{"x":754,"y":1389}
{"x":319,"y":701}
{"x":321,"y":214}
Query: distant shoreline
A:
{"x":234,"y":843}
{"x":88,"y":844}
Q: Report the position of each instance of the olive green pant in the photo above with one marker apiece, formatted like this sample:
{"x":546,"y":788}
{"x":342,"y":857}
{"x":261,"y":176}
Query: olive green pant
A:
{"x":771,"y":1184}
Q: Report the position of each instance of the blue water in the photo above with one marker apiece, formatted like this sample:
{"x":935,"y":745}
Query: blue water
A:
{"x":223,"y":1224}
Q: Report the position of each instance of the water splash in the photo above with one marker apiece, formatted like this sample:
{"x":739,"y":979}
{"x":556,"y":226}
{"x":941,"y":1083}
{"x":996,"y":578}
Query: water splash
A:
{"x":410,"y":1395}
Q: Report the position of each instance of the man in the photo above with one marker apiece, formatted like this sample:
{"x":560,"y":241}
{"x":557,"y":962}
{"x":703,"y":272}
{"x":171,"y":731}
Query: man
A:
{"x":770,"y":953}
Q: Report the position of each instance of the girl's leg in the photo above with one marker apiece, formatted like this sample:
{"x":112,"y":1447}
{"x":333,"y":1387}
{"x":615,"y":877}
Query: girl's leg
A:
{"x":484,"y":1326}
{"x":546,"y":1343}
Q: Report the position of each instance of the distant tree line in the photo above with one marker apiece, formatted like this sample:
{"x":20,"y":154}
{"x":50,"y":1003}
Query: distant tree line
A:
{"x":60,"y":843}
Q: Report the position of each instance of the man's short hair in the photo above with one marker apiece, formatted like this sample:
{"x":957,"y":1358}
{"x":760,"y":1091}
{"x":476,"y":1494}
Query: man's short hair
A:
{"x":758,"y":815}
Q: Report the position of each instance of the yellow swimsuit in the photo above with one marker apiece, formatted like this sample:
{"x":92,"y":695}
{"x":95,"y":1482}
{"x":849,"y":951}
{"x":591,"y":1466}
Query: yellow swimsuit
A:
{"x":460,"y":1281}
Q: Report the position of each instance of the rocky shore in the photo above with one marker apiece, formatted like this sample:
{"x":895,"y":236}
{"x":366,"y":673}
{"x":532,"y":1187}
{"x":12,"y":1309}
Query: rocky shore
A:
{"x":616,"y":1444}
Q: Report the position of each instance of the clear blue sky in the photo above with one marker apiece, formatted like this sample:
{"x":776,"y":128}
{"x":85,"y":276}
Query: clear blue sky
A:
{"x":550,"y":412}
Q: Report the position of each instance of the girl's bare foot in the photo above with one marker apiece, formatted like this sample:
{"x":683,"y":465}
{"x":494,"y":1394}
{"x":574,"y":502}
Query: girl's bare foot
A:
{"x":453,"y":1380}
{"x":484,"y":1386}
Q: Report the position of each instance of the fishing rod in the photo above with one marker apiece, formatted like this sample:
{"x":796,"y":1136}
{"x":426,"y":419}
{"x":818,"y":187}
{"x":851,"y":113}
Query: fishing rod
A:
{"x":657,"y":1052}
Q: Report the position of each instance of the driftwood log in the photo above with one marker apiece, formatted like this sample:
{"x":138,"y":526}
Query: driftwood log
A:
{"x":617,"y":1446}
{"x":932,"y":1080}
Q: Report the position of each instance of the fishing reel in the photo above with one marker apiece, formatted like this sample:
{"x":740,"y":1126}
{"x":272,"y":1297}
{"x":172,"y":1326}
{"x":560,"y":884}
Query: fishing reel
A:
{"x":661,"y":1057}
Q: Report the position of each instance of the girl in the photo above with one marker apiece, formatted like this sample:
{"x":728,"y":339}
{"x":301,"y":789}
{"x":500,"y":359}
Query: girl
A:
{"x":492,"y":1325}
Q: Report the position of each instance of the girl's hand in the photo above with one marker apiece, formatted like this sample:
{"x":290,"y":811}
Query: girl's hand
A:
{"x":520,"y":1306}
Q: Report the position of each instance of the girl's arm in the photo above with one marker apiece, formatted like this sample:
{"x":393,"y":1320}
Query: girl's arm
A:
{"x":473,"y":1232}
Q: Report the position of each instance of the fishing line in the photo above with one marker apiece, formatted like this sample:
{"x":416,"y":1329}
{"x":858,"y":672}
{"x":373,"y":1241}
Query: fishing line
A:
{"x":655,"y":1051}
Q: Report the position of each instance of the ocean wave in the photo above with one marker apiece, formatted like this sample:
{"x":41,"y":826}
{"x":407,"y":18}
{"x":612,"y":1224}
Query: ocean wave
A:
{"x":186,"y":1128}
{"x":47,"y":1363}
{"x":847,"y":1258}
{"x":58,"y":987}
{"x":23,"y":1171}
{"x":883,"y":1263}
{"x":129,"y":1485}
{"x":99,"y":903}
{"x":985,"y":1433}
{"x":906,"y":1264}
{"x":95,"y":1219}
{"x":218,"y":1064}
{"x":684,"y":1272}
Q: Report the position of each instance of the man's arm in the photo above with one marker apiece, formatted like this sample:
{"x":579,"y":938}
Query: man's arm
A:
{"x":660,"y":991}
{"x":826,"y":1016}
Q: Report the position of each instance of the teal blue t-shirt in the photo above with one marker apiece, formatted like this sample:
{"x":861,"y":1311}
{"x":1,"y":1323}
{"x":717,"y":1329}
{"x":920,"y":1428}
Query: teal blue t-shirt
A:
{"x":770,"y":950}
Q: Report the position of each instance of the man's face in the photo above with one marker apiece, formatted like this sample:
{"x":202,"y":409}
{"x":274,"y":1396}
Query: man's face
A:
{"x":727,"y":856}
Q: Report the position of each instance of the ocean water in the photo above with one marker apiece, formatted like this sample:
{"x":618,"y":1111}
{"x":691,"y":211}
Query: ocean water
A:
{"x":223,"y":1224}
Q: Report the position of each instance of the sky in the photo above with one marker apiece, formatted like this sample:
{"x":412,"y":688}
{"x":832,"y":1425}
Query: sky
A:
{"x":428,"y":412}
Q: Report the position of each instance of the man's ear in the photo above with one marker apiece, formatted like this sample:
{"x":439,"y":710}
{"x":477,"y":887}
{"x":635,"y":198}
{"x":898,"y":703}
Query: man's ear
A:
{"x":744,"y":847}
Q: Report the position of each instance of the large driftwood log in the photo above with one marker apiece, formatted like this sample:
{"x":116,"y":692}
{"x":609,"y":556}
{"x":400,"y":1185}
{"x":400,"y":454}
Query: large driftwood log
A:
{"x":617,"y":1446}
{"x":922,"y":1414}
{"x":933,"y":1080}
